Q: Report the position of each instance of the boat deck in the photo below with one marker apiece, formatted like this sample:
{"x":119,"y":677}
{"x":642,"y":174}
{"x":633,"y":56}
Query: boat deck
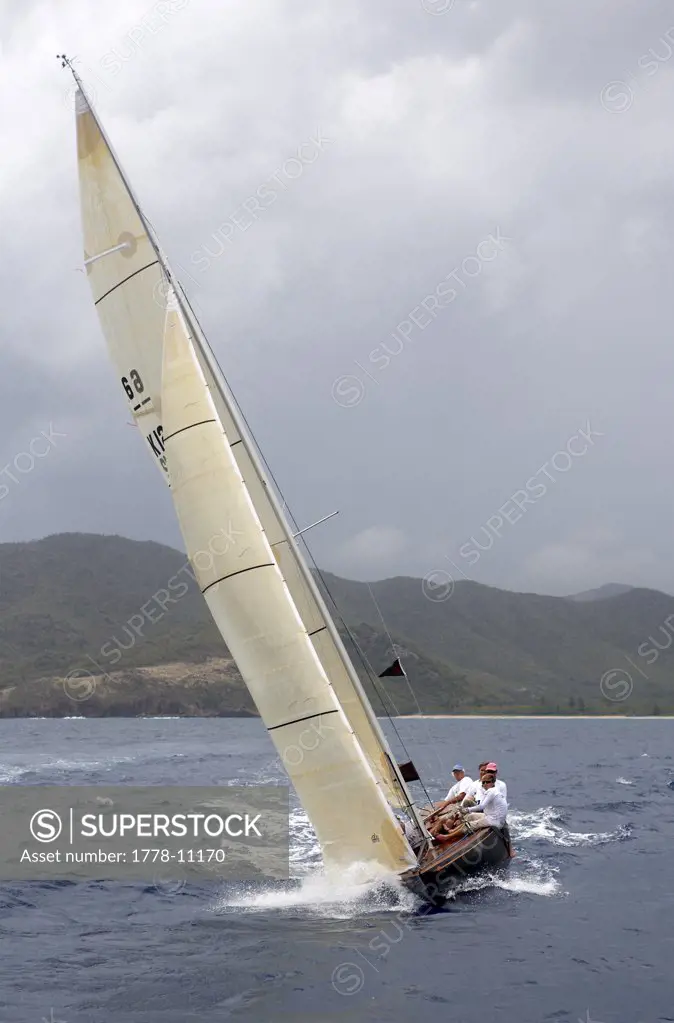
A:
{"x":440,"y":856}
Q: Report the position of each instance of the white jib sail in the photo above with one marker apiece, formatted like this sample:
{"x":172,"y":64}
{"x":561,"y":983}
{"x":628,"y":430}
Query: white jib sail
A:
{"x":129,"y":292}
{"x":253,"y":608}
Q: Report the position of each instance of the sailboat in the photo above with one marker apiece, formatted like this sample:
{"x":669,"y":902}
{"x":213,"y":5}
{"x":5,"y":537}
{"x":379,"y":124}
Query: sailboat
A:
{"x":245,"y":557}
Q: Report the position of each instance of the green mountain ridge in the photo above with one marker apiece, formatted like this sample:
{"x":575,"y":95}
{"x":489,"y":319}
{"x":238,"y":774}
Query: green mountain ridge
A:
{"x":601,"y":592}
{"x":73,"y":604}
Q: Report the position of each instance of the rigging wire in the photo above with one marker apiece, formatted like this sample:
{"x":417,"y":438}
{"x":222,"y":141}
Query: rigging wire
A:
{"x":175,"y":282}
{"x":362,"y":657}
{"x":409,"y":684}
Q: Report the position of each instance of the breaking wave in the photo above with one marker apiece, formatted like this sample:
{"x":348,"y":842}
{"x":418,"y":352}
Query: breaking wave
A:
{"x":311,"y":892}
{"x":320,"y":895}
{"x":528,"y":877}
{"x":547,"y":824}
{"x":46,"y":767}
{"x":9,"y":774}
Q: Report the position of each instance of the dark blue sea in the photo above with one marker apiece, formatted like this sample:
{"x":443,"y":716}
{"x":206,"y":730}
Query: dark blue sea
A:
{"x":580,"y":927}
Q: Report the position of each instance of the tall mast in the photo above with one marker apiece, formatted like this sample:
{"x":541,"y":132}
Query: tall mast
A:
{"x":201,"y":343}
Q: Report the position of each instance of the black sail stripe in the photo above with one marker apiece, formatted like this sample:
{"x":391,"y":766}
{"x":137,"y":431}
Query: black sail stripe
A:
{"x":286,"y":724}
{"x":321,"y":629}
{"x":141,"y":403}
{"x":183,"y":428}
{"x":119,"y":284}
{"x":267,"y":564}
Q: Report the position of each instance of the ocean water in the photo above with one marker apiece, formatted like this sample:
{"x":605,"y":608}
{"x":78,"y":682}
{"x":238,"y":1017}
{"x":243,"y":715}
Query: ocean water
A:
{"x":579,"y":927}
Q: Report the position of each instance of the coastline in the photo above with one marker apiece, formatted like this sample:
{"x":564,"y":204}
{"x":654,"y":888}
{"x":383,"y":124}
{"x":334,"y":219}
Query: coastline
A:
{"x":535,"y":717}
{"x":251,"y":715}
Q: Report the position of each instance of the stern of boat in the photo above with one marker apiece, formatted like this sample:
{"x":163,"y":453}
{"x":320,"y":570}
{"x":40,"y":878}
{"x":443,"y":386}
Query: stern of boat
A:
{"x":442,"y":866}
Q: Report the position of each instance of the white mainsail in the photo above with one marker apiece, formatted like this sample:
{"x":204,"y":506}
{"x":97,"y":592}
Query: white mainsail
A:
{"x":125,"y":277}
{"x":126,"y":274}
{"x":244,"y":586}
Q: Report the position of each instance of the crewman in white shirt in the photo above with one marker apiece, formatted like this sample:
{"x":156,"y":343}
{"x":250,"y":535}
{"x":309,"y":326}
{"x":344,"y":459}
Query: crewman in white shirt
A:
{"x":491,"y":813}
{"x":500,"y":786}
{"x":462,"y":784}
{"x":475,"y":793}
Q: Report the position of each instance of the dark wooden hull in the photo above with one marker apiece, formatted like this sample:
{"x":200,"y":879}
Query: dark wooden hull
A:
{"x":443,"y":865}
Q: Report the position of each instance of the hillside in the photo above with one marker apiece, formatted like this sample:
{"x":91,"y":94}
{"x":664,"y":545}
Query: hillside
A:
{"x":528,"y":650}
{"x":126,"y":626}
{"x":98,"y":611}
{"x":601,"y":592}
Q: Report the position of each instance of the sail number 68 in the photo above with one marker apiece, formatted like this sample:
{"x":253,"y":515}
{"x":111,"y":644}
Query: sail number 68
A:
{"x":134,"y":375}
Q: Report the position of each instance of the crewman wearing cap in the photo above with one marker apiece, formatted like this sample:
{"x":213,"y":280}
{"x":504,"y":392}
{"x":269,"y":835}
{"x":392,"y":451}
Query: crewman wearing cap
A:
{"x":499,"y":785}
{"x":491,"y":813}
{"x":462,"y":783}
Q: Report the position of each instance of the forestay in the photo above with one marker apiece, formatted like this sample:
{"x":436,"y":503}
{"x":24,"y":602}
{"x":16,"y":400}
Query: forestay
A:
{"x":247,"y":594}
{"x":129,"y":289}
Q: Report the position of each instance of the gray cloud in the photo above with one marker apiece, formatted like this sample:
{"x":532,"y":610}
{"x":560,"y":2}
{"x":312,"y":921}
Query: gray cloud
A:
{"x":443,"y":129}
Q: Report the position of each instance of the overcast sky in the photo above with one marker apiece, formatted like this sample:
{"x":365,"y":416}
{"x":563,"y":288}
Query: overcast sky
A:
{"x":483,"y":187}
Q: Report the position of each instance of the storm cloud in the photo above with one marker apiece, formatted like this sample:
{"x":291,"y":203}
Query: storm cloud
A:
{"x":430,"y":242}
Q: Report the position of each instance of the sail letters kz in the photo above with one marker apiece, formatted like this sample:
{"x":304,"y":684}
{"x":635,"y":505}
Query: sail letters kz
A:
{"x":156,"y":441}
